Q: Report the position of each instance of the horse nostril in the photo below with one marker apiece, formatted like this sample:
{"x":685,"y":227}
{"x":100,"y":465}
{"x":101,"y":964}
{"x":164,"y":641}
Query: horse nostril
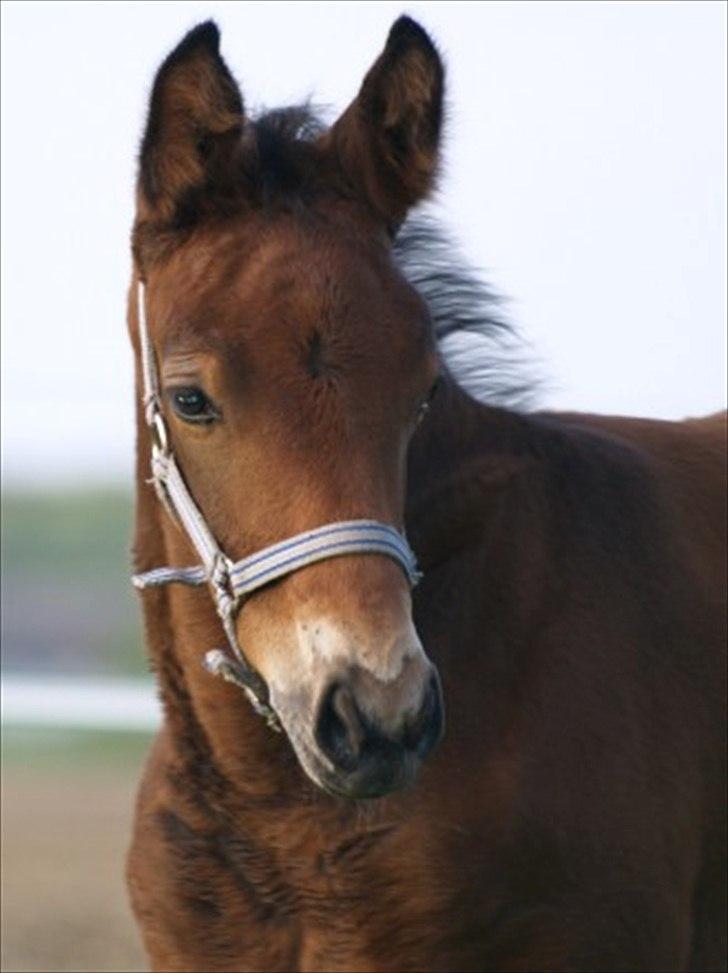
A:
{"x":426,"y":729}
{"x":339,"y":728}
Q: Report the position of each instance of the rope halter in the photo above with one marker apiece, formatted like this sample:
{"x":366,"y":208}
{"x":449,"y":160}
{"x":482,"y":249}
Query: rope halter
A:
{"x":231,"y":582}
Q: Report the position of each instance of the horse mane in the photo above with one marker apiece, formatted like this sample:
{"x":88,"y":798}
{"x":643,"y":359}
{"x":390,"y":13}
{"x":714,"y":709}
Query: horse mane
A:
{"x":281,"y":165}
{"x":481,"y":347}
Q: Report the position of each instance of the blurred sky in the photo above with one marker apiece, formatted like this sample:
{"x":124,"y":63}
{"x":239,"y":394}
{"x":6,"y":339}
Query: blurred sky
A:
{"x":585,"y":172}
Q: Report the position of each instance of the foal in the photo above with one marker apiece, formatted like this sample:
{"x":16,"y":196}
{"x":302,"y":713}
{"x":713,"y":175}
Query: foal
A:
{"x":572,"y":597}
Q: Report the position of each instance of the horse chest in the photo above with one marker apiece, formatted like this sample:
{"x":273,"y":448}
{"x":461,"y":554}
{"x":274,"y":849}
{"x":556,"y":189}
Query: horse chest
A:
{"x":287,"y":896}
{"x":354,"y":899}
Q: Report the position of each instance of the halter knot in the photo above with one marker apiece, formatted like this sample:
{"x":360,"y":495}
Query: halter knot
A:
{"x":219,"y":579}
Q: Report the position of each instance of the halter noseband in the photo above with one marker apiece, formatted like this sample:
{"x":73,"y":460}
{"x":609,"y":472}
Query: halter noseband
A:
{"x":231,"y":582}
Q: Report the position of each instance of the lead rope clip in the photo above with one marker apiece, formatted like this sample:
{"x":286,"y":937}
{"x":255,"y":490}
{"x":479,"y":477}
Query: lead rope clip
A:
{"x":220,"y":663}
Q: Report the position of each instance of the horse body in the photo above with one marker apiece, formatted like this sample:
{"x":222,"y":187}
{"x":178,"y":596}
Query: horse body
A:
{"x":572,"y":602}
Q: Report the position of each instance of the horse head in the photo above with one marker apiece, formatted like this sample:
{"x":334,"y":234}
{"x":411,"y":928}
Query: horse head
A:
{"x":294,"y":363}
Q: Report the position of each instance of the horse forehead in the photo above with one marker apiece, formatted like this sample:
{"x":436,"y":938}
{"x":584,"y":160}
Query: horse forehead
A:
{"x":307,"y":253}
{"x":276,"y":283}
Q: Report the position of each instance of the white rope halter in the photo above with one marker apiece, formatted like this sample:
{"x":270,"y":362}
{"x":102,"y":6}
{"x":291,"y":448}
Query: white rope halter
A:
{"x":231,"y":582}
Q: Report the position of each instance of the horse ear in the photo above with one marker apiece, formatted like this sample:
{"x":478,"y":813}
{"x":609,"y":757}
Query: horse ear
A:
{"x":387,"y":140}
{"x":194,"y":121}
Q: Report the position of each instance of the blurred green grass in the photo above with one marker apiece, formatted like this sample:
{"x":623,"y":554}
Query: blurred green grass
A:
{"x":86,"y":533}
{"x":68,"y":606}
{"x":61,"y":748}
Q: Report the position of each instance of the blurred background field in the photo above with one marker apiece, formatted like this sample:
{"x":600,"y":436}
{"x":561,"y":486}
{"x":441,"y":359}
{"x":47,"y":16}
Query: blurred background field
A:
{"x":71,"y":644}
{"x":68,"y":606}
{"x":68,"y":798}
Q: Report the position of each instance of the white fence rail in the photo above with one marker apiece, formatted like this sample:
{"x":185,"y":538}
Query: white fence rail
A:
{"x":101,"y":704}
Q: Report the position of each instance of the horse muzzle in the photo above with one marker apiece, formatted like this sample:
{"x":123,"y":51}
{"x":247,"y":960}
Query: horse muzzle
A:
{"x":363,"y":749}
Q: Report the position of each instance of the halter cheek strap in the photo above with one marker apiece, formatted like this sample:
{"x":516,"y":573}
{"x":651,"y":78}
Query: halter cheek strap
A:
{"x":232,"y":582}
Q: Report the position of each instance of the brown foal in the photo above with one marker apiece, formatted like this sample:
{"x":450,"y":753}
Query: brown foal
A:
{"x":573,"y":599}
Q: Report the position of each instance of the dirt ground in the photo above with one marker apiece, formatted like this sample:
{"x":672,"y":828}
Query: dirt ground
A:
{"x":66,"y":828}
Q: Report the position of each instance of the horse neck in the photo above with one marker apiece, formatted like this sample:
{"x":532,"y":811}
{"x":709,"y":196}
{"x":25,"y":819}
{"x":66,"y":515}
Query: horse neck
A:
{"x":459,"y":462}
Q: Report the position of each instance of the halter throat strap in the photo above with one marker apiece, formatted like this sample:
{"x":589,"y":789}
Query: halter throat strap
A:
{"x":230,"y":582}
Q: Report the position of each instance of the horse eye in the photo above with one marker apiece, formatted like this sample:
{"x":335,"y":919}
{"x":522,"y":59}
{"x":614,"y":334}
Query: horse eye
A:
{"x":428,"y":401}
{"x":430,"y":396}
{"x":193,"y":405}
{"x":433,"y":390}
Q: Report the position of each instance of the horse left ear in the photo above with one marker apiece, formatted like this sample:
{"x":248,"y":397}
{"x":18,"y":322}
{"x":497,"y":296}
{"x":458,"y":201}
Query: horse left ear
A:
{"x":193,"y":126}
{"x":387,"y":141}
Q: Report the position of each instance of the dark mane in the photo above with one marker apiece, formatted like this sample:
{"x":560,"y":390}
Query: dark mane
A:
{"x":481,"y":347}
{"x":279,"y":156}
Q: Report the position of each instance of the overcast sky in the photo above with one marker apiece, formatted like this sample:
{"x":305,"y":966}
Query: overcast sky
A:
{"x":585,"y":174}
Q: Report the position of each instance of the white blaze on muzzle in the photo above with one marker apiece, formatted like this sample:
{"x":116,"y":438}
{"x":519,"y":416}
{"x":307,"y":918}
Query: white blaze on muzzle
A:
{"x":230,"y":582}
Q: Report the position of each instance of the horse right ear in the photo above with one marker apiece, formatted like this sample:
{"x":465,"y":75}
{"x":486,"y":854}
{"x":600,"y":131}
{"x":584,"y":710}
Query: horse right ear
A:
{"x":194,"y":123}
{"x":387,"y":141}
